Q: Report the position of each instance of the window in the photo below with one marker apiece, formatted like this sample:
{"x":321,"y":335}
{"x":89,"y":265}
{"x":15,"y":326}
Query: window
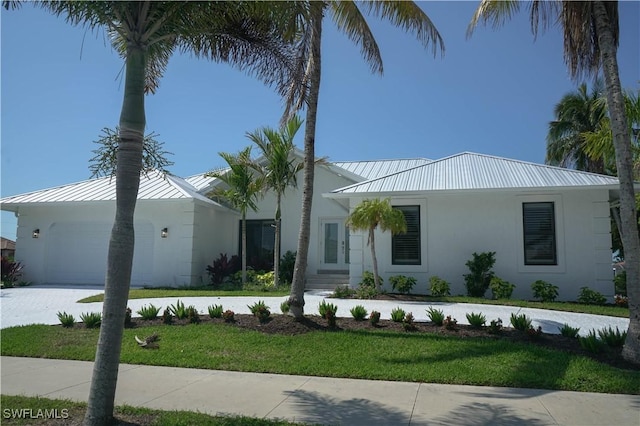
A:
{"x":260,"y":243}
{"x":405,"y":248}
{"x":539,"y":231}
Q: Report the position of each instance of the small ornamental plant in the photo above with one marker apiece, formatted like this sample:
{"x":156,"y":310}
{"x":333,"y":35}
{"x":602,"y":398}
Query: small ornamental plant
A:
{"x":402,"y":283}
{"x":621,"y":301}
{"x":495,"y":326}
{"x":374,"y":318}
{"x":436,"y":316}
{"x":91,"y":319}
{"x":228,"y":316}
{"x":591,"y":342}
{"x":127,"y":318}
{"x":260,"y":310}
{"x":544,"y":291}
{"x":591,"y":297}
{"x":450,"y":323}
{"x":148,"y":312}
{"x":167,"y":317}
{"x":476,"y":320}
{"x":192,"y":315}
{"x":325,"y":307}
{"x":567,"y":331}
{"x":359,"y":313}
{"x":439,"y":287}
{"x":343,"y":292}
{"x":215,"y":311}
{"x":534,"y":332}
{"x":520,"y":322}
{"x":397,"y":314}
{"x":408,"y":323}
{"x":501,"y":289}
{"x":178,"y":310}
{"x":613,"y":338}
{"x":285,"y":307}
{"x":67,"y":320}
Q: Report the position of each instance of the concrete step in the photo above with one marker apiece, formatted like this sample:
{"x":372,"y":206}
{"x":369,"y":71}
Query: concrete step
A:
{"x":326,"y":281}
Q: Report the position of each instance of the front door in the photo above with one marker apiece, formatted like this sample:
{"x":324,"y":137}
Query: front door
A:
{"x":334,"y":245}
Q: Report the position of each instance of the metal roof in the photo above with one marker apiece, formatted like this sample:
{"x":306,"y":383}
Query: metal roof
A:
{"x":377,"y":168}
{"x":154,"y":185}
{"x":200,"y":182}
{"x":471,"y":171}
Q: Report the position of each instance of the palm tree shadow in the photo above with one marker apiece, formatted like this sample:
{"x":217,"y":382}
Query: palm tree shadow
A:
{"x":323,"y":409}
{"x":484,"y":414}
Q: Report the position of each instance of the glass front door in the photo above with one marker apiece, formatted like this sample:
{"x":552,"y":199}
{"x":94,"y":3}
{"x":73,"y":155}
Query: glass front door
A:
{"x":334,"y":244}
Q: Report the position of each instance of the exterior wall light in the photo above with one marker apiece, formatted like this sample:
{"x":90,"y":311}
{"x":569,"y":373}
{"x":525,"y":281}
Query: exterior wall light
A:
{"x":164,"y":233}
{"x":35,"y":233}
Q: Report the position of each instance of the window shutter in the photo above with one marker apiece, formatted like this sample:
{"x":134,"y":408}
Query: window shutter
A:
{"x":539,"y":233}
{"x":405,"y":248}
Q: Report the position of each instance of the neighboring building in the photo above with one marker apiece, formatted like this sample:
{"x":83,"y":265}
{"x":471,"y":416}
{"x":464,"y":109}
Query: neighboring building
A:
{"x":543,"y":222}
{"x":8,"y":247}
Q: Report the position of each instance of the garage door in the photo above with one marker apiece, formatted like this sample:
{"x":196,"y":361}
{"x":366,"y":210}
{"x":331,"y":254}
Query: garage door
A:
{"x":77,"y":253}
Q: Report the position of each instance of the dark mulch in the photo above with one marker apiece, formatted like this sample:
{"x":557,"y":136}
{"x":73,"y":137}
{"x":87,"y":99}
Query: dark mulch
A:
{"x":287,"y":325}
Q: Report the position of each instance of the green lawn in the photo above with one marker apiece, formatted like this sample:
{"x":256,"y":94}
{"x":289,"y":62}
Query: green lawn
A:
{"x":370,"y":354}
{"x":152,"y":293}
{"x":74,"y":412}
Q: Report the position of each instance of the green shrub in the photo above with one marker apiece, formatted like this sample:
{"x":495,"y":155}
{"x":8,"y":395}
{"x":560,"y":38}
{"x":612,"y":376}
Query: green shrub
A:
{"x":215,"y":311}
{"x":614,"y":339}
{"x":229,"y":316}
{"x":148,"y":312}
{"x":450,"y":323}
{"x":287,"y":265}
{"x":591,"y":297}
{"x":367,"y":287}
{"x":436,"y":316}
{"x":127,"y":317}
{"x":67,"y":320}
{"x":501,"y":289}
{"x":265,"y":280}
{"x":397,"y":314}
{"x":359,"y":313}
{"x":368,"y":280}
{"x":402,"y":283}
{"x":567,"y":331}
{"x":620,"y":283}
{"x":439,"y":287}
{"x":167,"y":318}
{"x":476,"y":320}
{"x":534,"y":332}
{"x":520,"y":322}
{"x":260,"y":310}
{"x":178,"y":310}
{"x":591,"y":342}
{"x":407,"y":322}
{"x":544,"y":291}
{"x":91,"y":319}
{"x":192,"y":315}
{"x":325,"y":307}
{"x":477,"y":282}
{"x":284,"y":307}
{"x":222,"y":267}
{"x":495,"y":326}
{"x":343,"y":292}
{"x":621,"y":301}
{"x":374,"y":318}
{"x":10,"y":271}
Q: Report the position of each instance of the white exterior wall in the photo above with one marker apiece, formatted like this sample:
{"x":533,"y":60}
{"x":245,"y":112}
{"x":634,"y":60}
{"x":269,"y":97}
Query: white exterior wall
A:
{"x":175,"y":260}
{"x":324,"y":181}
{"x":454,"y":225}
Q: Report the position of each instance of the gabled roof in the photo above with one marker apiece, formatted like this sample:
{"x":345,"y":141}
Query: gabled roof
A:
{"x":377,"y":168}
{"x":471,"y":171}
{"x":154,"y":185}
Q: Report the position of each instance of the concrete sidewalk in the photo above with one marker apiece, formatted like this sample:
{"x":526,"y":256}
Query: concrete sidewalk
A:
{"x":318,"y":399}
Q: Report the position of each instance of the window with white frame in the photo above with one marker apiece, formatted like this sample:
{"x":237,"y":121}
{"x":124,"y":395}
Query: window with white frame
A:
{"x":539,"y":233}
{"x":405,"y":248}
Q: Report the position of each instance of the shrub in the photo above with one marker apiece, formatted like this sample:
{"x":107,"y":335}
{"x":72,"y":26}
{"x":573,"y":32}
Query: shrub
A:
{"x":620,"y":283}
{"x":366,"y":293}
{"x":476,"y":320}
{"x":265,"y":280}
{"x":520,"y":322}
{"x":621,"y":301}
{"x":397,"y":314}
{"x":402,"y":283}
{"x":325,"y":307}
{"x":10,"y":271}
{"x":178,"y":310}
{"x":591,"y":342}
{"x":215,"y":311}
{"x":544,"y":291}
{"x":439,"y":287}
{"x":614,"y":339}
{"x":501,"y":289}
{"x":477,"y":282}
{"x":343,"y":292}
{"x":567,"y":331}
{"x":284,"y":307}
{"x":534,"y":332}
{"x":330,"y":316}
{"x":127,"y":317}
{"x":407,"y":322}
{"x":228,"y":316}
{"x":287,"y":265}
{"x":167,"y":318}
{"x":436,"y":316}
{"x":91,"y":319}
{"x":591,"y":297}
{"x":192,"y":315}
{"x":222,"y":267}
{"x":148,"y":312}
{"x":374,"y":318}
{"x":260,"y":310}
{"x":67,"y":320}
{"x":495,"y":326}
{"x":450,"y":323}
{"x":368,"y":280}
{"x":367,"y":286}
{"x":359,"y":313}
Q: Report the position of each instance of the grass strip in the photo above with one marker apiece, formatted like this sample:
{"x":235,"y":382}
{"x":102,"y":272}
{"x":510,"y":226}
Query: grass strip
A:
{"x":374,"y":354}
{"x":23,"y":410}
{"x":152,"y":293}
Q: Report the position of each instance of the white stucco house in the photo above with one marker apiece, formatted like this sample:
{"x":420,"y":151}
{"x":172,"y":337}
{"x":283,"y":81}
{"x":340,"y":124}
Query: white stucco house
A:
{"x":543,"y":222}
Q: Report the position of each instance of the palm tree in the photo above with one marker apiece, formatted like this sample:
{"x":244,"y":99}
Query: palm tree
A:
{"x":279,"y":171}
{"x":146,"y":33}
{"x":242,"y":191}
{"x":590,"y":43}
{"x":349,"y":19}
{"x":576,"y":113}
{"x":371,"y":214}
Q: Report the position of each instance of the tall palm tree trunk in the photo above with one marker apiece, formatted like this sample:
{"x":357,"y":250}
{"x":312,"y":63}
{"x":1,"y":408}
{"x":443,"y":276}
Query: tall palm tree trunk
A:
{"x":276,"y":248}
{"x":244,"y":248}
{"x":374,"y":259}
{"x":622,"y":145}
{"x":296,"y":298}
{"x":121,"y":244}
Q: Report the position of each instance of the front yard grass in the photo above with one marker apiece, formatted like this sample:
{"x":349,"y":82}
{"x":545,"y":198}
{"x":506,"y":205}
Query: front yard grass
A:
{"x":365,"y":354}
{"x":153,"y":293}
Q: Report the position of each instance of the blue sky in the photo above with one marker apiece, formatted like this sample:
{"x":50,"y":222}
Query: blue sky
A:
{"x":492,"y":94}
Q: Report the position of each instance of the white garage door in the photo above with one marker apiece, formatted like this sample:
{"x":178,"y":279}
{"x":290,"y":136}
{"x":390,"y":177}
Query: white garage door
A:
{"x":77,"y":253}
